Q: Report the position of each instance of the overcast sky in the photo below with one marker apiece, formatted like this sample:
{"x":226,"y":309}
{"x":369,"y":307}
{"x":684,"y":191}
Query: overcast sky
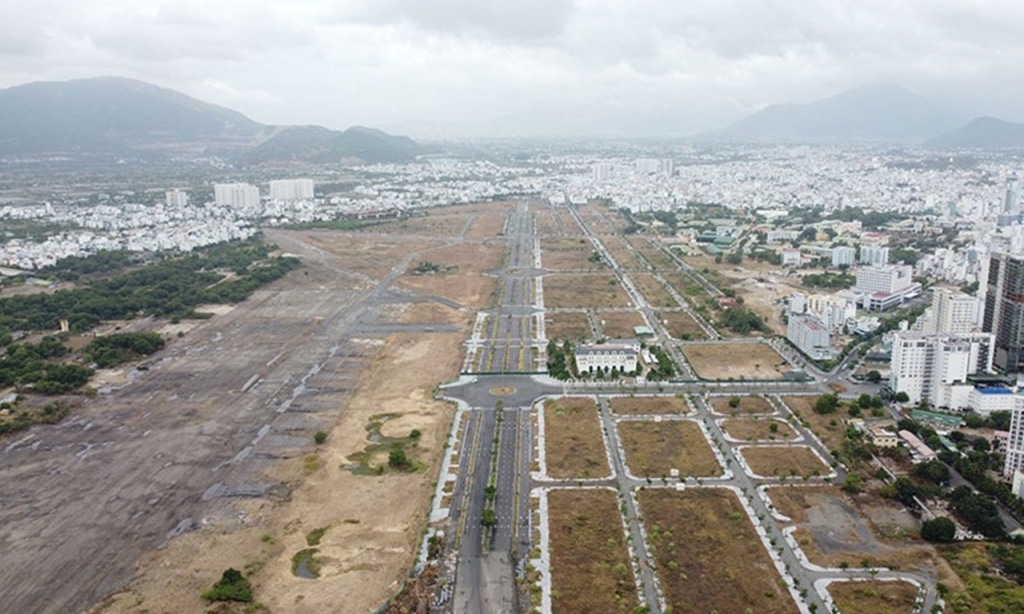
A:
{"x":391,"y":62}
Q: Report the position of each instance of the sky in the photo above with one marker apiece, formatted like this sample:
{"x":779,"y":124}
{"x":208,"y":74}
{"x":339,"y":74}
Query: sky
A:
{"x":488,"y":66}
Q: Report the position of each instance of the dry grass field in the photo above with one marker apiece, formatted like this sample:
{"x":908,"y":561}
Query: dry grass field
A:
{"x":590,"y":569}
{"x":653,"y":449}
{"x":655,"y":293}
{"x":619,"y":324}
{"x":722,"y":361}
{"x":752,"y":405}
{"x":681,"y":325}
{"x":829,"y":428}
{"x":874,"y":597}
{"x":586,"y":291}
{"x":709,"y":557}
{"x":783,"y":461}
{"x":567,"y":223}
{"x":574,"y":446}
{"x":568,"y":253}
{"x":569,"y":325}
{"x":373,"y":256}
{"x":758,"y":429}
{"x":649,"y":405}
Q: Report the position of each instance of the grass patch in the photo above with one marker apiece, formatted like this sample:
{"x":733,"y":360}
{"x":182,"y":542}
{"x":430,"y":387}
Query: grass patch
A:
{"x":619,"y":324}
{"x":305,"y":563}
{"x":649,"y":405}
{"x":571,"y":325}
{"x":738,"y":361}
{"x":653,"y":291}
{"x":574,"y":447}
{"x":829,"y":428}
{"x":783,"y":461}
{"x":708,"y":562}
{"x":758,"y":429}
{"x":313,"y":537}
{"x":584,"y":291}
{"x":681,"y":325}
{"x":874,"y":597}
{"x":590,"y":569}
{"x":746,"y":405}
{"x":653,"y":449}
{"x":361,"y":463}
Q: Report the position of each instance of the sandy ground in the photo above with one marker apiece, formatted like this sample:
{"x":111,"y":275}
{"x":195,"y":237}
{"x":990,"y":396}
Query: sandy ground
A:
{"x":373,"y":522}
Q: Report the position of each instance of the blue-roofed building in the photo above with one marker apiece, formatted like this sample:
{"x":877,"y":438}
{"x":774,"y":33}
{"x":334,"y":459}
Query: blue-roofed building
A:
{"x":986,"y":399}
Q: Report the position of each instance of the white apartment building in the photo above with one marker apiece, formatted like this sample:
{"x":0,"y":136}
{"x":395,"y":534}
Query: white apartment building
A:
{"x":952,"y":312}
{"x":885,"y":286}
{"x":291,"y":189}
{"x":620,"y":355}
{"x":935,"y":366}
{"x":843,"y":255}
{"x":810,"y":336}
{"x":832,"y":310}
{"x":176,"y":198}
{"x":875,"y":255}
{"x":1015,"y":442}
{"x":237,"y":195}
{"x":791,"y":257}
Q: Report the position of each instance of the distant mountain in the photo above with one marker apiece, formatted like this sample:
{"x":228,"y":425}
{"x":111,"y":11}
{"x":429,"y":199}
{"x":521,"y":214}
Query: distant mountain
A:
{"x":982,"y":133}
{"x":112,"y":116}
{"x":317,"y":144}
{"x":115,"y":116}
{"x":886,"y":113}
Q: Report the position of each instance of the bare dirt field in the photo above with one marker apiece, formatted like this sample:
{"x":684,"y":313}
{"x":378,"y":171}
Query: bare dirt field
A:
{"x":655,"y":293}
{"x":828,"y":427}
{"x":783,"y":461}
{"x":590,"y":569}
{"x":653,"y":449}
{"x":566,"y":222}
{"x":758,"y":429}
{"x":574,"y":446}
{"x":874,"y":597}
{"x":371,"y":255}
{"x":747,"y":405}
{"x":575,"y":253}
{"x":681,"y":326}
{"x":569,"y":325}
{"x":586,"y":291}
{"x":619,"y":324}
{"x":722,"y":361}
{"x":649,"y":405}
{"x":709,"y":557}
{"x":836,"y":528}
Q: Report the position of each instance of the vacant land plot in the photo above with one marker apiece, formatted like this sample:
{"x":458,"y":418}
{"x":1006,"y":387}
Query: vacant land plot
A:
{"x":681,"y":325}
{"x":874,"y":597}
{"x":718,"y":361}
{"x":623,"y":256}
{"x":373,"y":256}
{"x":488,"y":224}
{"x":566,"y":222}
{"x":649,"y":405}
{"x":758,"y":429}
{"x":834,"y":527}
{"x":828,"y":427}
{"x":571,"y":325}
{"x":747,"y":405}
{"x":588,"y":291}
{"x":653,"y":291}
{"x":590,"y":569}
{"x":654,"y":449}
{"x":783,"y":461}
{"x":709,"y":557}
{"x":619,"y":324}
{"x":559,"y":254}
{"x":653,"y":255}
{"x":574,"y":446}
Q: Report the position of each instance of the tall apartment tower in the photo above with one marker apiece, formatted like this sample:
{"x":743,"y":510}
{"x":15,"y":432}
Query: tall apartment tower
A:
{"x":1015,"y":443}
{"x":1004,"y":310}
{"x":1011,"y":202}
{"x":291,"y":189}
{"x":176,"y":198}
{"x":239,"y":195}
{"x":953,"y":312}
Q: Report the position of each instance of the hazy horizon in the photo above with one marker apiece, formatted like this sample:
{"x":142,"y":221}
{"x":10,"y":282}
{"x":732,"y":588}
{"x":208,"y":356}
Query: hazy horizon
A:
{"x":468,"y":65}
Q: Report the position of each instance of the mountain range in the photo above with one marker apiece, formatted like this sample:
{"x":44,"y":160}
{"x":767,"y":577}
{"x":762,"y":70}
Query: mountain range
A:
{"x":125,"y":118}
{"x":112,"y":116}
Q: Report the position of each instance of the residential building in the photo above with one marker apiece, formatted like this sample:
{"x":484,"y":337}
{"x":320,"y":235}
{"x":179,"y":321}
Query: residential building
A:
{"x":810,"y":336}
{"x":885,"y":286}
{"x":291,"y":189}
{"x":1004,"y":309}
{"x":875,"y":255}
{"x":176,"y":198}
{"x":237,"y":195}
{"x":882,"y":437}
{"x":935,"y":366}
{"x":791,"y":257}
{"x":952,"y":312}
{"x":843,"y":256}
{"x":1015,"y":442}
{"x":618,"y":354}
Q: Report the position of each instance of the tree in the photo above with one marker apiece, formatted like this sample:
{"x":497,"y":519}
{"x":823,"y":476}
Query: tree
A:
{"x":853,"y":482}
{"x":874,"y":376}
{"x":826,"y":404}
{"x":397,"y":458}
{"x":974,"y":421}
{"x":940,"y":529}
{"x":864,"y":400}
{"x":935,"y":471}
{"x":902,"y":397}
{"x":999,"y":420}
{"x":319,"y":437}
{"x":734,"y":402}
{"x":487,"y":518}
{"x":232,"y":587}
